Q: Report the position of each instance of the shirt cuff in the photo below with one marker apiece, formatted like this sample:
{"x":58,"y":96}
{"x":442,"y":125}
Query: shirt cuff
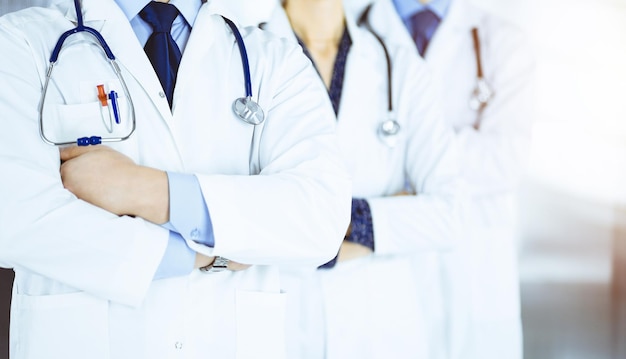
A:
{"x":189,"y":215}
{"x":361,"y":228}
{"x":178,"y":259}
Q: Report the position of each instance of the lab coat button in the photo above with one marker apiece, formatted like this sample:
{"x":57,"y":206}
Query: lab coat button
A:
{"x":195,"y":234}
{"x":178,"y":345}
{"x":162,"y":94}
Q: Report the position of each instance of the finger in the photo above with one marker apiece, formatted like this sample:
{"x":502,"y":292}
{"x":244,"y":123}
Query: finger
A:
{"x":403,"y":193}
{"x":67,"y":153}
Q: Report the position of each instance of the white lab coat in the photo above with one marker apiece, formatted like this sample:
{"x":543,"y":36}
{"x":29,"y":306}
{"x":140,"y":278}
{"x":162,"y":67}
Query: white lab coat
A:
{"x":83,"y":286}
{"x":368,"y":308}
{"x":480,"y":280}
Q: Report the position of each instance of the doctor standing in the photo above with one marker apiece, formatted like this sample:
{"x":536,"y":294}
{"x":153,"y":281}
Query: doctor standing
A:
{"x":483,"y":68}
{"x":106,"y":248}
{"x":364,"y":304}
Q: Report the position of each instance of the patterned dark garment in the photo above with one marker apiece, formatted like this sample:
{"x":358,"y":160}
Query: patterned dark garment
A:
{"x":362,"y":229}
{"x":336,"y":82}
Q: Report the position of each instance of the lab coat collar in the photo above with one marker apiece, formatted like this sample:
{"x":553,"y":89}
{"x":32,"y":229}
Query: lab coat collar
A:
{"x":356,"y":32}
{"x":460,"y":15}
{"x":278,"y":23}
{"x":93,"y":10}
{"x":407,"y":8}
{"x":456,"y":26}
{"x":383,"y":19}
{"x":188,"y":9}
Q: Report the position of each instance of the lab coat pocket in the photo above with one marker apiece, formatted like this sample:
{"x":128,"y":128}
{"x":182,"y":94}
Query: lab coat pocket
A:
{"x":60,"y":326}
{"x":260,"y":325}
{"x":67,"y":123}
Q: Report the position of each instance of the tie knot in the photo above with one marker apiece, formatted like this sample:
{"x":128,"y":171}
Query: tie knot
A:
{"x":159,"y":15}
{"x":425,"y":22}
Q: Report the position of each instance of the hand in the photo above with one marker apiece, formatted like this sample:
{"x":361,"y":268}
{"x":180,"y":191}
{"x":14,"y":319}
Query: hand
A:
{"x":351,"y":250}
{"x":203,"y":261}
{"x":235,"y":267}
{"x":110,"y":180}
{"x":404,"y":193}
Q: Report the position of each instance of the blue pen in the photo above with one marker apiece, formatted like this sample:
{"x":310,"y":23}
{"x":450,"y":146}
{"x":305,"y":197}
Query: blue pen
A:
{"x":116,"y":113}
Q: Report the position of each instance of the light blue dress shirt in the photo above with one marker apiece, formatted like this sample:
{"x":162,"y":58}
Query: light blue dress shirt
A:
{"x":189,"y":215}
{"x":407,"y":8}
{"x":181,"y":28}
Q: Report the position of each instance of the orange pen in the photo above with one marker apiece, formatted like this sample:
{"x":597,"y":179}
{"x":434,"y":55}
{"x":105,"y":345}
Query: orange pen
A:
{"x":102,"y":96}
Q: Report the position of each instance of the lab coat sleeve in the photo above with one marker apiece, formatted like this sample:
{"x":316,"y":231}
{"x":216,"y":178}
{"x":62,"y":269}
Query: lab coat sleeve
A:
{"x":297,"y":209}
{"x":45,"y":229}
{"x":495,"y":155}
{"x":426,"y":221}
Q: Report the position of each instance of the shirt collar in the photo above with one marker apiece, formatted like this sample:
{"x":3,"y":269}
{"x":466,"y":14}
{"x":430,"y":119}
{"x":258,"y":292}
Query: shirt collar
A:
{"x":188,"y":9}
{"x":406,"y":8}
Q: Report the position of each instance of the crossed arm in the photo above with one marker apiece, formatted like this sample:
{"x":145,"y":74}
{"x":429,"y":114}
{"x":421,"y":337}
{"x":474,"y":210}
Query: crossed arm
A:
{"x":112,"y":181}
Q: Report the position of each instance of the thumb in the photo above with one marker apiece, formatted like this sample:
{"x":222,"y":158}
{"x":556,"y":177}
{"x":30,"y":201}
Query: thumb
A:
{"x":67,"y":153}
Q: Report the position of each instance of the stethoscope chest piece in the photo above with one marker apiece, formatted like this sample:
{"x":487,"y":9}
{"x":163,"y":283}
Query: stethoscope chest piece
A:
{"x":481,"y":95}
{"x":388,"y":132}
{"x":248,"y":111}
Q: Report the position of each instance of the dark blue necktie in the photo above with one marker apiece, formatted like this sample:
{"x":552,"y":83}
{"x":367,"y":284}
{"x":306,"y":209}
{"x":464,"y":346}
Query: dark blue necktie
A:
{"x":161,"y":48}
{"x":424,"y":24}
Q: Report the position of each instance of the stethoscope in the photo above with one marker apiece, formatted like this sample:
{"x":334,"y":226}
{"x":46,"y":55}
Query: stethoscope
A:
{"x":388,"y":129}
{"x":245,"y":108}
{"x":482,"y":93}
{"x":479,"y":98}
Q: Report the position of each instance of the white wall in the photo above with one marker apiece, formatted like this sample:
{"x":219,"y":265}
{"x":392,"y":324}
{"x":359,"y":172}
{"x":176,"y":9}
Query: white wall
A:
{"x":13,"y":5}
{"x":576,"y":184}
{"x":580,"y":132}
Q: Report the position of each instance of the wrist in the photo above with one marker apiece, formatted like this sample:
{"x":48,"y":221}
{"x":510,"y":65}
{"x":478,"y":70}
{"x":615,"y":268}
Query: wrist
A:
{"x":203,"y":261}
{"x":149,"y":197}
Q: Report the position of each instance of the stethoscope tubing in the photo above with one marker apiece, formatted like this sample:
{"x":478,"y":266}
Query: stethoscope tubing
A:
{"x":88,"y":140}
{"x":478,"y":100}
{"x":245,"y":108}
{"x":389,"y":128}
{"x":80,"y":27}
{"x":363,"y":21}
{"x":476,"y":42}
{"x":244,"y":56}
{"x":482,"y":93}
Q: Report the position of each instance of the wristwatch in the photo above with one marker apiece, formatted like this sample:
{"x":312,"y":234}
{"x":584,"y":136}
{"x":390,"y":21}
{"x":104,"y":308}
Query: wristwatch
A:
{"x":219,"y":264}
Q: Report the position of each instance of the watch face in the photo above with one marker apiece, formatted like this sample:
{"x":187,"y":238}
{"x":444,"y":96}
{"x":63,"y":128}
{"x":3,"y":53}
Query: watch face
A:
{"x":220,"y":262}
{"x":218,"y":265}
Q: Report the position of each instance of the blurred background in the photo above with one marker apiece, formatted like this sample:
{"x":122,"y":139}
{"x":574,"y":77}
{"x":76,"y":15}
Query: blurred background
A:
{"x":572,"y":240}
{"x":573,"y":213}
